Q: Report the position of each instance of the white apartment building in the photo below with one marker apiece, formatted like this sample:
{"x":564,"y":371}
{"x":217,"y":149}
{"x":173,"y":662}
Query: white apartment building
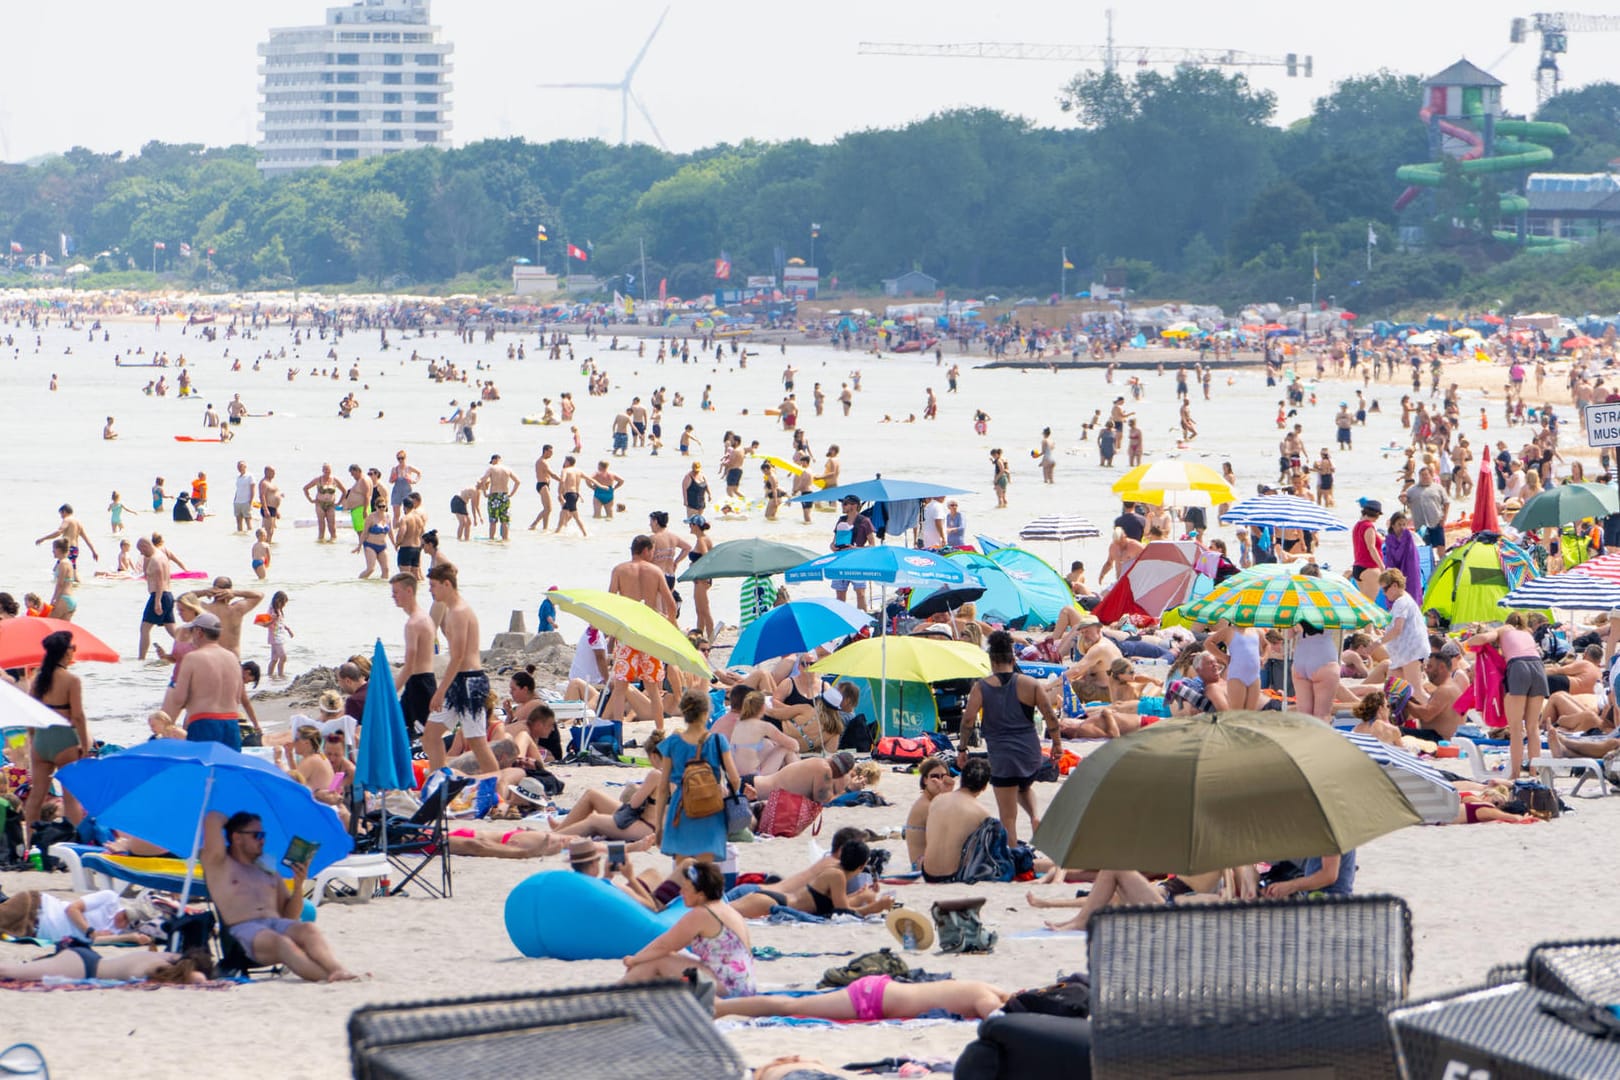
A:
{"x":375,"y":79}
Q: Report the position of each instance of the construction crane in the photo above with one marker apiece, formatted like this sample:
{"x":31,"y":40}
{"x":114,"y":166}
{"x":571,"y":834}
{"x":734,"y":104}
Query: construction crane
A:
{"x":1555,"y":28}
{"x":1109,"y":54}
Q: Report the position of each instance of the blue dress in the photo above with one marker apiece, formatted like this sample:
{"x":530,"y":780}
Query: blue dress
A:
{"x":693,"y":836}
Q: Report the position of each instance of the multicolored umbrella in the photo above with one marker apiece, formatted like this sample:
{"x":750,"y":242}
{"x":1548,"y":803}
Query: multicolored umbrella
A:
{"x":1286,"y":600}
{"x":1158,"y":579}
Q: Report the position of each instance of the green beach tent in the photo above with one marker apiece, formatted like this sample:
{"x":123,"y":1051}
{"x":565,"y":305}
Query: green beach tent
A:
{"x":1472,"y":577}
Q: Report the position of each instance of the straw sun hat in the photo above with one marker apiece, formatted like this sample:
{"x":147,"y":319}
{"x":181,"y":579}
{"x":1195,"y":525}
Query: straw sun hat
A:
{"x":900,"y":921}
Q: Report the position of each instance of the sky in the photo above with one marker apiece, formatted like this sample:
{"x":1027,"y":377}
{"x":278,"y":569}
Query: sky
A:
{"x":111,"y":75}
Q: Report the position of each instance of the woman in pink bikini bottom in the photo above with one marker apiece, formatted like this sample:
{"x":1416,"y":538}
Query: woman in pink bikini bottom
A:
{"x":876,"y":997}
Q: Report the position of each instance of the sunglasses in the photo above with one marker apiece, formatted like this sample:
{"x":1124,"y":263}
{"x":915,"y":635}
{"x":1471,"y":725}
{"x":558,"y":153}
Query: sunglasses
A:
{"x":334,"y":738}
{"x":257,"y":834}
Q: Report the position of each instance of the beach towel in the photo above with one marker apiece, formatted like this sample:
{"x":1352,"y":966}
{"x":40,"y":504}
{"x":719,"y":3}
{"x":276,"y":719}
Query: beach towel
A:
{"x":1485,"y":690}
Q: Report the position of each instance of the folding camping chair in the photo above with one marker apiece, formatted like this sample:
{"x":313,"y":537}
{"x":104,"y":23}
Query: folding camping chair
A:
{"x":416,"y":842}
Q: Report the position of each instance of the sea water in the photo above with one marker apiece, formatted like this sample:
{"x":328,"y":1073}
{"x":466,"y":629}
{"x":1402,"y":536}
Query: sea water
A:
{"x":57,"y":455}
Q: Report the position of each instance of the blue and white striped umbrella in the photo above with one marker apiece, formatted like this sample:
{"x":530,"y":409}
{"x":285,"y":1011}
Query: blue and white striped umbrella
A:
{"x":1283,"y":512}
{"x":1059,"y":528}
{"x":1572,"y":592}
{"x":1424,"y":786}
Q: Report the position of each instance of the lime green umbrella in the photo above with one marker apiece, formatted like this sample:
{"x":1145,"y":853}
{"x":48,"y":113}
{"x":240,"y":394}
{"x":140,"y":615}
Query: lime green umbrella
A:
{"x":634,"y":624}
{"x":1198,"y":793}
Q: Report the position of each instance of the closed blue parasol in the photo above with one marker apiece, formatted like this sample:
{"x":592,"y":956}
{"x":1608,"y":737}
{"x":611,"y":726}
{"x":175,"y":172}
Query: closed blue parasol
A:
{"x":161,"y":791}
{"x":797,"y":627}
{"x":384,"y":762}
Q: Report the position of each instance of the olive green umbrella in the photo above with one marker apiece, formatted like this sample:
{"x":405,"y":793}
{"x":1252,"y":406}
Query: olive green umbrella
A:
{"x":1199,"y":793}
{"x":746,"y":558}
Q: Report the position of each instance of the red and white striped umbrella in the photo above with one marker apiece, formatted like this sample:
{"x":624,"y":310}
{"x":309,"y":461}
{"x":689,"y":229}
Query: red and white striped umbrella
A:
{"x":1606,"y":567}
{"x":1160,"y":578}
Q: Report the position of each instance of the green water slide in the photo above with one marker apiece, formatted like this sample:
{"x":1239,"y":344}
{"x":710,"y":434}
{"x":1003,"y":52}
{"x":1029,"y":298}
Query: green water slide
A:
{"x":1515,"y":149}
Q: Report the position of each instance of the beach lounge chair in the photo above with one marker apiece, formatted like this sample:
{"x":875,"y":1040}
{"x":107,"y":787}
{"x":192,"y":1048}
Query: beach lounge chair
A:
{"x":91,"y":868}
{"x":1585,"y":970}
{"x":415,"y":843}
{"x":1585,"y":768}
{"x":1500,"y":1031}
{"x":650,"y":1029}
{"x":1246,"y":987}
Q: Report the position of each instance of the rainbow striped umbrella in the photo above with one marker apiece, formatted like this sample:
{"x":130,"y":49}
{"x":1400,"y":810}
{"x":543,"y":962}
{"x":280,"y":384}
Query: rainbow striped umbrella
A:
{"x":1286,"y":600}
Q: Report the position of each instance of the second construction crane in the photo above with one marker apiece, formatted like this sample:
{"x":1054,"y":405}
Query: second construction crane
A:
{"x":1555,"y":28}
{"x":1109,"y":55}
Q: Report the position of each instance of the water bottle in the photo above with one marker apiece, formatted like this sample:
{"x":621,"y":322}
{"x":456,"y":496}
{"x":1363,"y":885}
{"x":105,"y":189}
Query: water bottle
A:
{"x":35,"y":862}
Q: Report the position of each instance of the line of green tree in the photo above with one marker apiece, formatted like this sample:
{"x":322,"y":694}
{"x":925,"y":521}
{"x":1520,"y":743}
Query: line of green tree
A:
{"x":1184,"y":179}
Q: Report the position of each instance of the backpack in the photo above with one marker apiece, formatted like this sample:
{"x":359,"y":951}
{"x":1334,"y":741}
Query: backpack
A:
{"x":986,"y":856}
{"x":959,"y":928}
{"x":701,"y":794}
{"x":882,"y":962}
{"x":1069,"y":996}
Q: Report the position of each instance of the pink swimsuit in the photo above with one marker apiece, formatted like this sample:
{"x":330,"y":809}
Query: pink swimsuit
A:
{"x":866,"y":995}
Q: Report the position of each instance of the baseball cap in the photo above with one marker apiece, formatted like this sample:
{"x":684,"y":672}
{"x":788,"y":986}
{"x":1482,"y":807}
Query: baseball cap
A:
{"x":840,"y":763}
{"x":205,"y":620}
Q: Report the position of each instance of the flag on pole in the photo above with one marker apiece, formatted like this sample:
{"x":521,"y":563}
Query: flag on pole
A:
{"x":1067,"y":265}
{"x":722,"y":267}
{"x":1372,"y":237}
{"x":577,"y":253}
{"x":16,"y":248}
{"x":663,"y":289}
{"x":185,"y":250}
{"x":540,"y":233}
{"x":158,"y":245}
{"x":590,"y":247}
{"x":1316,"y":271}
{"x":815,"y":230}
{"x":67,"y":244}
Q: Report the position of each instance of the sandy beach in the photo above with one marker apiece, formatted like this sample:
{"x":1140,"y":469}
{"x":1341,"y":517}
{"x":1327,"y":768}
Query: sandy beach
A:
{"x":1480,"y":895}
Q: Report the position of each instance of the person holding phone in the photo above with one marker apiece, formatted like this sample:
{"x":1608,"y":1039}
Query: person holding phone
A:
{"x":256,"y":907}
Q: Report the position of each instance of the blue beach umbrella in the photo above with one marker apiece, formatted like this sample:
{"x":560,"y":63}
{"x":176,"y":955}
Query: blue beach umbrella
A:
{"x":897,"y":566}
{"x":162,"y":791}
{"x":879,"y":489}
{"x":797,"y":627}
{"x":384,"y":761}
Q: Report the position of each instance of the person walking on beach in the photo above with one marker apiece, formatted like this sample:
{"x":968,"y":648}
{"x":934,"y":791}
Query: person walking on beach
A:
{"x":571,"y":479}
{"x":1005,"y":704}
{"x":501,"y":484}
{"x":402,"y":481}
{"x":1048,"y":461}
{"x":543,"y":477}
{"x":853,"y":530}
{"x":159,"y":600}
{"x":242,"y":498}
{"x":1427,"y":504}
{"x":327,"y":490}
{"x":269,"y":504}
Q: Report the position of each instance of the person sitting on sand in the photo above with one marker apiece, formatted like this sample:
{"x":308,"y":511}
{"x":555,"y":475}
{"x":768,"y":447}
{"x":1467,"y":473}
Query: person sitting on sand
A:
{"x":759,"y":747}
{"x":631,"y":816}
{"x":1131,"y":888}
{"x":712,"y":936}
{"x":876,"y":997}
{"x":75,"y":960}
{"x":256,"y":907}
{"x":820,"y":731}
{"x":1372,"y":718}
{"x":934,"y":779}
{"x":826,"y":893}
{"x":963,"y":838}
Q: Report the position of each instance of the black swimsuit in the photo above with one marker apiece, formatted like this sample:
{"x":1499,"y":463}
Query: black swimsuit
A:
{"x":87,"y":956}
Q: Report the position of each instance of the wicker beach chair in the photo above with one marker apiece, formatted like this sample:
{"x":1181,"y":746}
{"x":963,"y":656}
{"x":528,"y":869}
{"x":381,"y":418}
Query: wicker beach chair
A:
{"x":1502,"y":1032}
{"x":1208,"y":989}
{"x":1585,"y":970}
{"x":650,"y":1031}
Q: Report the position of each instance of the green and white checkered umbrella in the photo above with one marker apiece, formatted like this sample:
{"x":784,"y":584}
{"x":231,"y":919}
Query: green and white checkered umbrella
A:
{"x":1286,"y":600}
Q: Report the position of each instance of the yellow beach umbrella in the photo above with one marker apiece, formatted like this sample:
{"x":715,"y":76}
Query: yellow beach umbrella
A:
{"x":1175,"y":476}
{"x":909,"y":659}
{"x":634,"y":624}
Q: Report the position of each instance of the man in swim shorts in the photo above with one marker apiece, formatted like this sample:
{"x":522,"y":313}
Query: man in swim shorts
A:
{"x":641,"y":580}
{"x":462,"y":701}
{"x":569,"y":482}
{"x":501,"y":483}
{"x":159,"y":600}
{"x":208,"y":687}
{"x":414,"y":681}
{"x":258,"y":910}
{"x":954,"y":817}
{"x":408,"y":537}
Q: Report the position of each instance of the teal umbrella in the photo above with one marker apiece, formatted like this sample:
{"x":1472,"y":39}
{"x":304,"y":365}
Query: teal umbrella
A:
{"x":746,"y":558}
{"x":1566,"y":504}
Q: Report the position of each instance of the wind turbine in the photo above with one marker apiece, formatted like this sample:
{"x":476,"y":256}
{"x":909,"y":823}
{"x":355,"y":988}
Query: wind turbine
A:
{"x":627,"y":96}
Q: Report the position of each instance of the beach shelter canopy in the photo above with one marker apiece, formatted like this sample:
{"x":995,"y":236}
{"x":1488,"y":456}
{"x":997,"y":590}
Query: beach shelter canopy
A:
{"x":1020,"y":588}
{"x":1286,"y":600}
{"x":1158,"y":579}
{"x":880,"y":489}
{"x":746,"y":558}
{"x":1198,"y":793}
{"x":1565,"y":505}
{"x":1473,"y":576}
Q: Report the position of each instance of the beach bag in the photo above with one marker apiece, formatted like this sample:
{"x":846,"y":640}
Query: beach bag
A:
{"x":882,"y":962}
{"x":959,"y":928}
{"x":787,"y":814}
{"x":47,"y":834}
{"x":701,"y":794}
{"x":1069,"y":996}
{"x":898,"y":748}
{"x":987,"y":856}
{"x":1538,"y":798}
{"x":739,"y":814}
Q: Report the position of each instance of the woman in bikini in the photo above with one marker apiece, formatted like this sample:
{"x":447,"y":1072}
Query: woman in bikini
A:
{"x":75,"y":960}
{"x":327,"y":491}
{"x":668,"y":548}
{"x":877,"y":997}
{"x":711,"y":936}
{"x":759,"y":747}
{"x":309,"y":765}
{"x":795,"y":698}
{"x":59,"y":690}
{"x":374,"y":541}
{"x":63,"y":603}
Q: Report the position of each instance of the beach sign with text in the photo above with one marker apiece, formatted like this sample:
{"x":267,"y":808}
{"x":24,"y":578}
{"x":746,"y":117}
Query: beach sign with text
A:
{"x":1602,"y":424}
